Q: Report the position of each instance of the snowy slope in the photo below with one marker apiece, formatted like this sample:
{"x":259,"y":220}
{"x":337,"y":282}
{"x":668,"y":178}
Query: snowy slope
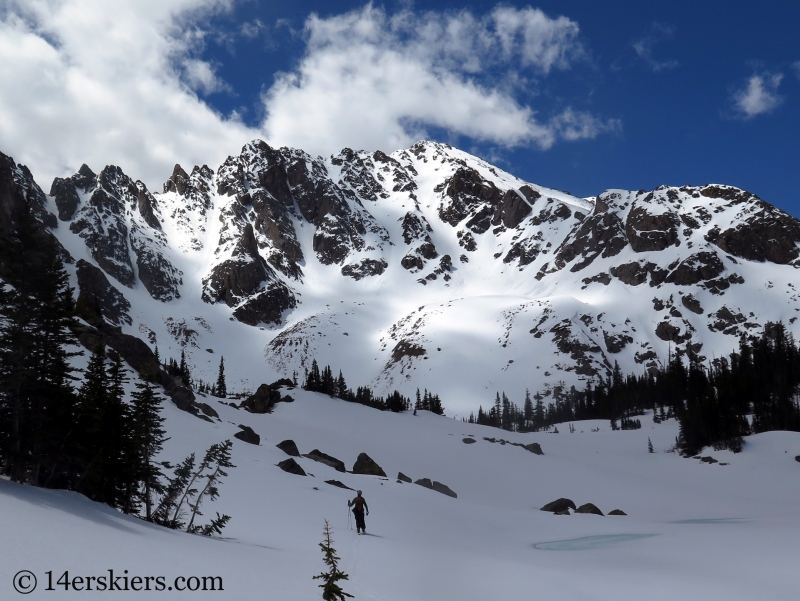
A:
{"x":427,"y":268}
{"x":693,"y":530}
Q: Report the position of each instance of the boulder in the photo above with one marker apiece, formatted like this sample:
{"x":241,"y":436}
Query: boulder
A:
{"x":289,"y":447}
{"x":366,"y":465}
{"x":318,"y":455}
{"x":468,"y":440}
{"x":248,"y":435}
{"x":617,"y":512}
{"x":426,"y":482}
{"x":797,"y":458}
{"x":402,"y":477}
{"x":337,"y":483}
{"x":708,"y":459}
{"x":444,"y":489}
{"x":291,"y":466}
{"x":534,"y":447}
{"x":559,"y":505}
{"x":589,"y":508}
{"x":265,"y":397}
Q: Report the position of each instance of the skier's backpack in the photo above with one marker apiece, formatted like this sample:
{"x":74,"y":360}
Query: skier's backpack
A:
{"x":359,"y":504}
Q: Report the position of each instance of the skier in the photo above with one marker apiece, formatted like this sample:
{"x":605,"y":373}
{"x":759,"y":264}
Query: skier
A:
{"x":359,"y":505}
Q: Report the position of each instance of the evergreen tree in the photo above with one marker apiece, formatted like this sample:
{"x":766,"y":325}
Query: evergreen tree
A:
{"x":527,"y":410}
{"x":37,"y":401}
{"x":148,"y":440}
{"x":217,"y":459}
{"x":221,"y":388}
{"x":186,"y":376}
{"x":331,"y":590}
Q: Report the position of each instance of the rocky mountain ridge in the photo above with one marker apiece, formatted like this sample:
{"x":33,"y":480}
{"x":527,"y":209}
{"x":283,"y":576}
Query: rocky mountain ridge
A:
{"x":427,"y":267}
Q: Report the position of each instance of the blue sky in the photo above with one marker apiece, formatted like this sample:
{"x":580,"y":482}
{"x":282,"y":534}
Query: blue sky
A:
{"x":580,"y":96}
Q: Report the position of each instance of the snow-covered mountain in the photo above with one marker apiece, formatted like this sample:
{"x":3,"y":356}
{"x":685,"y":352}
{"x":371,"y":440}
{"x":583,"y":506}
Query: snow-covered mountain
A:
{"x":425,"y":268}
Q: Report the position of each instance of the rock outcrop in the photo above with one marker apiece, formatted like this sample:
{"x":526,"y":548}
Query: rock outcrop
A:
{"x":559,"y":505}
{"x":366,"y":465}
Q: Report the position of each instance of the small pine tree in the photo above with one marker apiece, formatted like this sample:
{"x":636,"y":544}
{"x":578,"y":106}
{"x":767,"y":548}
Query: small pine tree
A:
{"x":221,"y":389}
{"x":331,"y":591}
{"x":650,"y":448}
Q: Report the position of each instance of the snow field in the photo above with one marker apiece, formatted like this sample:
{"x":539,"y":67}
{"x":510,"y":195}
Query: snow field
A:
{"x":718,"y":532}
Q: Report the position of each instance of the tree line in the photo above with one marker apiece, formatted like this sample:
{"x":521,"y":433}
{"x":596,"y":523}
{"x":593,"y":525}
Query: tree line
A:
{"x":324,"y":381}
{"x":60,"y":428}
{"x":753,"y":390}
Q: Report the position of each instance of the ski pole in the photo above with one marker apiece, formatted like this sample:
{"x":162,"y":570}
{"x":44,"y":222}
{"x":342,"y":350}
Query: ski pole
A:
{"x":349,"y":527}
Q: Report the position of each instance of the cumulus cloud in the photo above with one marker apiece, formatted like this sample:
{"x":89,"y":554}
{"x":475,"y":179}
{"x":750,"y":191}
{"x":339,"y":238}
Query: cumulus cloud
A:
{"x":371,"y":80}
{"x":644,"y":47}
{"x":110,"y":82}
{"x":125,"y":82}
{"x":759,"y":96}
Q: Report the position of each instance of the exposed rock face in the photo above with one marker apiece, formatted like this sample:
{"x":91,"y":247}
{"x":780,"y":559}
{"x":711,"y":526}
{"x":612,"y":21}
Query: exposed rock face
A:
{"x":424,"y":482}
{"x":246,"y":283}
{"x":366,"y":268}
{"x":318,"y":455}
{"x":98,"y":299}
{"x":602,"y":234}
{"x":559,"y":505}
{"x":465,"y":193}
{"x":468,"y":440}
{"x":514,"y":207}
{"x":617,"y":512}
{"x":616,"y":342}
{"x":366,"y":465}
{"x":291,"y":466}
{"x":766,"y":234}
{"x":65,"y":191}
{"x":119,"y":220}
{"x":589,"y":508}
{"x":289,"y":447}
{"x":698,"y":267}
{"x":651,"y":232}
{"x":691,"y":303}
{"x":403,"y":478}
{"x":248,"y":435}
{"x":21,"y":196}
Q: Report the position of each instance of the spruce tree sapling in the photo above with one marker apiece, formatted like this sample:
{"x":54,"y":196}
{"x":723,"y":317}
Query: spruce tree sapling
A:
{"x":650,"y":448}
{"x":331,"y":591}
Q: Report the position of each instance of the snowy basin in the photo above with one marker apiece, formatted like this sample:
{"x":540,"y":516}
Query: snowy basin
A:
{"x":713,"y":521}
{"x":589,"y":542}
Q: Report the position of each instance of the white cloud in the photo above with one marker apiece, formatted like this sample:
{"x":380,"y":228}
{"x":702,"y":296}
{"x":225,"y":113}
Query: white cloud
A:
{"x":252,"y":30}
{"x":644,"y":47}
{"x":796,"y":67}
{"x":118,"y":82}
{"x":759,"y":96}
{"x":370,"y":80}
{"x":110,"y":82}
